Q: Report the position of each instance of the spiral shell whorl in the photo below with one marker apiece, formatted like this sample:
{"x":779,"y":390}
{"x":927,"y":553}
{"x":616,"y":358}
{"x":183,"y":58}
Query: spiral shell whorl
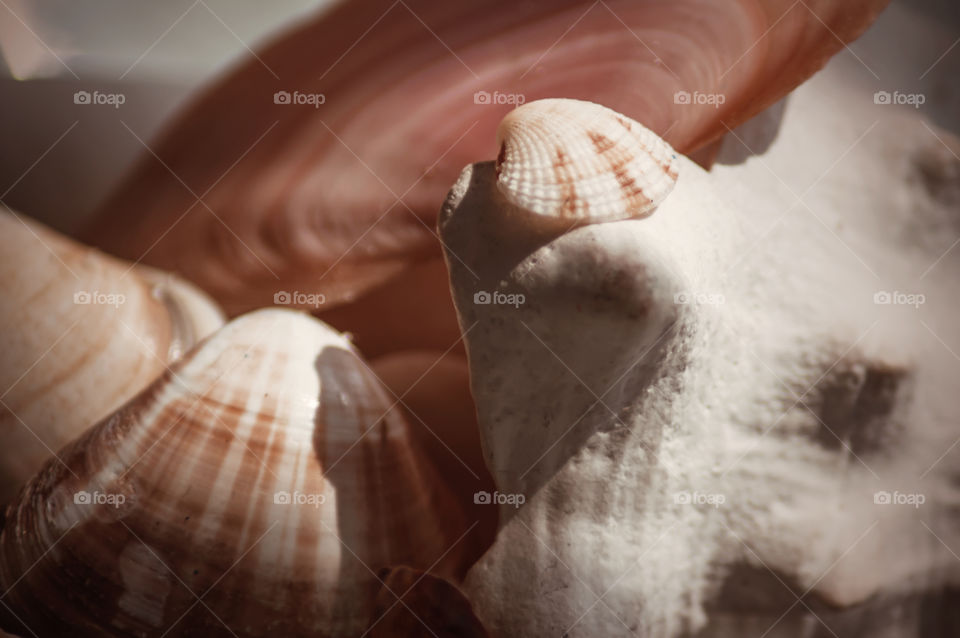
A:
{"x":581,"y":162}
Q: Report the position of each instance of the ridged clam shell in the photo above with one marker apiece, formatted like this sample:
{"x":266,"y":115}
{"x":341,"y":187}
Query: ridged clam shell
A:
{"x":581,"y":162}
{"x":80,"y":333}
{"x":268,"y":472}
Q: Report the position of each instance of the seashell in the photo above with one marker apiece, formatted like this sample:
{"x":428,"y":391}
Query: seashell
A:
{"x":581,"y":162}
{"x":81,"y":333}
{"x":267,"y":473}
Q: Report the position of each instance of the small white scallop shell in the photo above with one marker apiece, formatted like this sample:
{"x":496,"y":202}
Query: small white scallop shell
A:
{"x":582,"y":162}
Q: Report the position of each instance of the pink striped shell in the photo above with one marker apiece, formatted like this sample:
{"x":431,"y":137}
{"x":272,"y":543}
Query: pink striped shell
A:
{"x":582,"y":162}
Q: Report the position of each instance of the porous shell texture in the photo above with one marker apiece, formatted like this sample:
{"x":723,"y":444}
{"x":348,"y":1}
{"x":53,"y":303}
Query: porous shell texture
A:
{"x":701,"y":415}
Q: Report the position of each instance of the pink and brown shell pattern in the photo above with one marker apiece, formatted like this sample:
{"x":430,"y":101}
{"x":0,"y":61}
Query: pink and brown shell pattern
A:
{"x":582,"y":162}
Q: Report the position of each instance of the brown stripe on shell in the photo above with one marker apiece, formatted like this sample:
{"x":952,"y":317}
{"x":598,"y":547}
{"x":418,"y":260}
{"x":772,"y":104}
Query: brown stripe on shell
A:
{"x":262,"y":448}
{"x":601,"y":142}
{"x":561,"y":168}
{"x":172,"y":435}
{"x":631,"y":190}
{"x":266,"y":435}
{"x":672,"y":171}
{"x":667,"y":167}
{"x":213,"y":412}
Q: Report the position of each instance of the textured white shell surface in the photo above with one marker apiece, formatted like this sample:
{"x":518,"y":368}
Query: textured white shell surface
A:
{"x":759,"y":311}
{"x":582,"y":162}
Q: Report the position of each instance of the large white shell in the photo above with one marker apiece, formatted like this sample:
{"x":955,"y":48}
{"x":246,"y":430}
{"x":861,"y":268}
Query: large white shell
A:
{"x":268,"y":472}
{"x":582,"y":162}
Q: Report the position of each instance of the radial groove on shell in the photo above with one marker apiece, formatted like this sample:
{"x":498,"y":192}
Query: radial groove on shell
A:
{"x":582,"y":162}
